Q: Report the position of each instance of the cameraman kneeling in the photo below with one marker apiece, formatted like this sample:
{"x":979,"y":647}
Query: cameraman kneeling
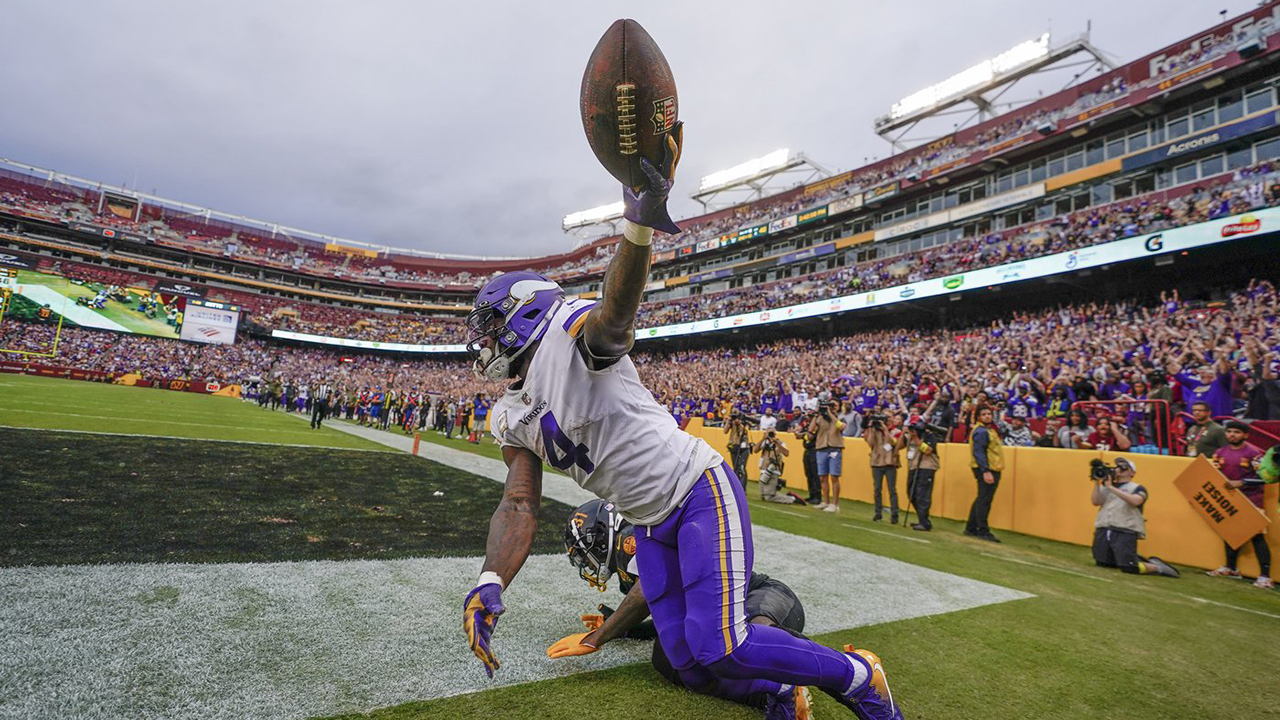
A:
{"x":1120,"y":523}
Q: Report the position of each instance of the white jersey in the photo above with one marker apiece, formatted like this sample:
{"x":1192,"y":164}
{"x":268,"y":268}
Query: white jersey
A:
{"x":602,"y":427}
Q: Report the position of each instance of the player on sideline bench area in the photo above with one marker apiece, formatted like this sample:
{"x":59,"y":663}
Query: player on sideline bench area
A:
{"x":579,"y":405}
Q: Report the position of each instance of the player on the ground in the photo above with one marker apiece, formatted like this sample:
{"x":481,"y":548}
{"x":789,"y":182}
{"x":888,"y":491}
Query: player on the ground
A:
{"x":579,"y":405}
{"x":602,"y":545}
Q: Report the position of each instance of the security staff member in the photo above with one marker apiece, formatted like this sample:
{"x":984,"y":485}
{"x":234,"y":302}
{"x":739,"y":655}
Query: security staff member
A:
{"x":986,"y":457}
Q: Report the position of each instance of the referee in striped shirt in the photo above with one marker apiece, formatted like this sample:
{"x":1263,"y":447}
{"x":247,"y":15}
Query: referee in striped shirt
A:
{"x":320,"y":404}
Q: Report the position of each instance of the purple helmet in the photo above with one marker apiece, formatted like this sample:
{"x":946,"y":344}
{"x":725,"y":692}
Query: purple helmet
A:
{"x":511,"y":312}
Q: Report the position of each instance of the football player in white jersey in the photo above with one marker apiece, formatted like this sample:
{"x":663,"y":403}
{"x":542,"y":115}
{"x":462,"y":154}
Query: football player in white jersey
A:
{"x":577,"y":404}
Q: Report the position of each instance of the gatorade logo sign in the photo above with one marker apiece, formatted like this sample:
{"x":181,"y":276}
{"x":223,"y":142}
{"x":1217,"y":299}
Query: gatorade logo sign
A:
{"x":1247,"y":224}
{"x":1154,"y":243}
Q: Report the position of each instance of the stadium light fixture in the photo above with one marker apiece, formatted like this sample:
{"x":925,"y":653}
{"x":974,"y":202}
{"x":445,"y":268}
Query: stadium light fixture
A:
{"x":973,"y":77}
{"x":603,"y":213}
{"x":742,"y":171}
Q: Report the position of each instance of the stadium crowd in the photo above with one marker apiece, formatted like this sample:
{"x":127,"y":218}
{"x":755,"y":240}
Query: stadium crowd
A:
{"x":1247,"y":189}
{"x":1028,"y":366}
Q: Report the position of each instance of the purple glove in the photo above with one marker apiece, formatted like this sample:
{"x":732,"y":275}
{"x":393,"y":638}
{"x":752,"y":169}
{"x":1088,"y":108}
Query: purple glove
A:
{"x":648,"y":206}
{"x":480,"y":613}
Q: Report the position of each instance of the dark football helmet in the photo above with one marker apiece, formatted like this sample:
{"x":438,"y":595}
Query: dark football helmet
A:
{"x":592,"y":538}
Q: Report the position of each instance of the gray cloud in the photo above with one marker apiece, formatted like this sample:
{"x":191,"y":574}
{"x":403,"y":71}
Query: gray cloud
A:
{"x":453,"y":127}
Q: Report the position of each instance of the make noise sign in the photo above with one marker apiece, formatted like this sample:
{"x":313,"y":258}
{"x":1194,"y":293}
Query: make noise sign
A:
{"x":1224,"y":509}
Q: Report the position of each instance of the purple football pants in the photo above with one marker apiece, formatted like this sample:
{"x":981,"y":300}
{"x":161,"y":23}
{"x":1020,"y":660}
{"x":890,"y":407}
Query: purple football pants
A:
{"x":695,"y":566}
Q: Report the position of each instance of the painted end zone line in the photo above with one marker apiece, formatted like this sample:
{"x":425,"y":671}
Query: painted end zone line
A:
{"x":882,"y":532}
{"x":1046,"y":567}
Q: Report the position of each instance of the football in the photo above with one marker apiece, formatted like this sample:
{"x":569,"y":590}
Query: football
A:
{"x":628,"y":101}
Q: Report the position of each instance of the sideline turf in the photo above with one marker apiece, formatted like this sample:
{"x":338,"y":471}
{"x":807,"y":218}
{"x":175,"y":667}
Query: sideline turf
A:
{"x":57,"y":404}
{"x":1093,"y":643}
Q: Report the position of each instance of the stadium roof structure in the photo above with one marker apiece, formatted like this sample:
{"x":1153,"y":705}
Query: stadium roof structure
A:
{"x":973,"y":87}
{"x":757,"y":178}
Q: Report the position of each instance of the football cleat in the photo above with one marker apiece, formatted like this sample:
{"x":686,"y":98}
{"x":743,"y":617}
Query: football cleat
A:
{"x":790,"y":705}
{"x":872,"y":700}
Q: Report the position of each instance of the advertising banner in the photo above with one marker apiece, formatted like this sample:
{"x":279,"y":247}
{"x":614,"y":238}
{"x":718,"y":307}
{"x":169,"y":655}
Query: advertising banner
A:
{"x":884,"y":192}
{"x":367,"y":344}
{"x":1200,"y":141}
{"x":13,"y":260}
{"x":785,"y":223}
{"x":842,"y":205}
{"x":809,"y":216}
{"x":210,"y":322}
{"x":1138,"y":246}
{"x":173,"y":287}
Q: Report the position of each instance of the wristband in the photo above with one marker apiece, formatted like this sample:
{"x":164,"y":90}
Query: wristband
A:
{"x":489,"y":577}
{"x":637,"y":234}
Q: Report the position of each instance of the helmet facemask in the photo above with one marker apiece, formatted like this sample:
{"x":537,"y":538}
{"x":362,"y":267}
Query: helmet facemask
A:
{"x":502,"y":328}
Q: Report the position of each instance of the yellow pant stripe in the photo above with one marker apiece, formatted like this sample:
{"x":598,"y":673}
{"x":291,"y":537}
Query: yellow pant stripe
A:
{"x":725,"y":604}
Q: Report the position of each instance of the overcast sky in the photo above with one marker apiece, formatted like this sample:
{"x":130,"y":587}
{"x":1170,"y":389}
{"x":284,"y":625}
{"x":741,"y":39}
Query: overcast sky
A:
{"x":454,"y":127}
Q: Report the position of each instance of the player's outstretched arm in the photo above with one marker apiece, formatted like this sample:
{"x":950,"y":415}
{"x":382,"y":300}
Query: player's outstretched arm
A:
{"x":512,"y":526}
{"x":511,"y":532}
{"x":610,"y":328}
{"x":633,"y":611}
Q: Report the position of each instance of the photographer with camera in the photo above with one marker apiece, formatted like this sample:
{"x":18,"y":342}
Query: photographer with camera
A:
{"x":772,"y":451}
{"x":830,"y":445}
{"x":884,"y":464}
{"x":739,"y":444}
{"x":919,"y":440}
{"x":1120,"y":523}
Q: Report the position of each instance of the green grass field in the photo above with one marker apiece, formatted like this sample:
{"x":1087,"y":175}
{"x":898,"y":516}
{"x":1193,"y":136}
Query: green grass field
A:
{"x":1091,"y":643}
{"x":53,"y":404}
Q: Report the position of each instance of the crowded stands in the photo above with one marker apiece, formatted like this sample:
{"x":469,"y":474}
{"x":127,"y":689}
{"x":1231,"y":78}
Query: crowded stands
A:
{"x":1028,"y":365}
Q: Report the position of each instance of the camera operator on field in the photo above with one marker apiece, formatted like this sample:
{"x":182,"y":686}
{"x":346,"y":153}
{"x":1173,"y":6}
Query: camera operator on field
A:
{"x":1120,"y":523}
{"x":884,"y":464}
{"x":919,"y":441}
{"x":830,"y":444}
{"x":739,"y":444}
{"x":772,"y":451}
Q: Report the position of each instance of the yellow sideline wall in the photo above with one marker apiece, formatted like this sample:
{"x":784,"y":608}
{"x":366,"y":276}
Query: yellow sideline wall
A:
{"x":1043,"y":492}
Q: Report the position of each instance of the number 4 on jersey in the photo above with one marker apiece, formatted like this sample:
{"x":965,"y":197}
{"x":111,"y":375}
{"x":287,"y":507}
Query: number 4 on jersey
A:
{"x":574,"y":454}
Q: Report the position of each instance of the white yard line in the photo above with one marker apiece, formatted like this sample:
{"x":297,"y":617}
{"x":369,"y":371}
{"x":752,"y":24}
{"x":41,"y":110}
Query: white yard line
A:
{"x":784,"y":512}
{"x":899,"y":536}
{"x":1045,"y":567}
{"x":1233,"y":607}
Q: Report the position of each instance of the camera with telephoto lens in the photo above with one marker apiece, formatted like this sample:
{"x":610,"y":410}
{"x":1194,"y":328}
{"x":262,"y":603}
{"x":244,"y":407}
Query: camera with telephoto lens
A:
{"x":876,"y":420}
{"x":1099,"y":470}
{"x":928,"y":432}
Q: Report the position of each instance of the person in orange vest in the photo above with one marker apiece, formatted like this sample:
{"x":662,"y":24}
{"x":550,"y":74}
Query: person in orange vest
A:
{"x":986,"y":457}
